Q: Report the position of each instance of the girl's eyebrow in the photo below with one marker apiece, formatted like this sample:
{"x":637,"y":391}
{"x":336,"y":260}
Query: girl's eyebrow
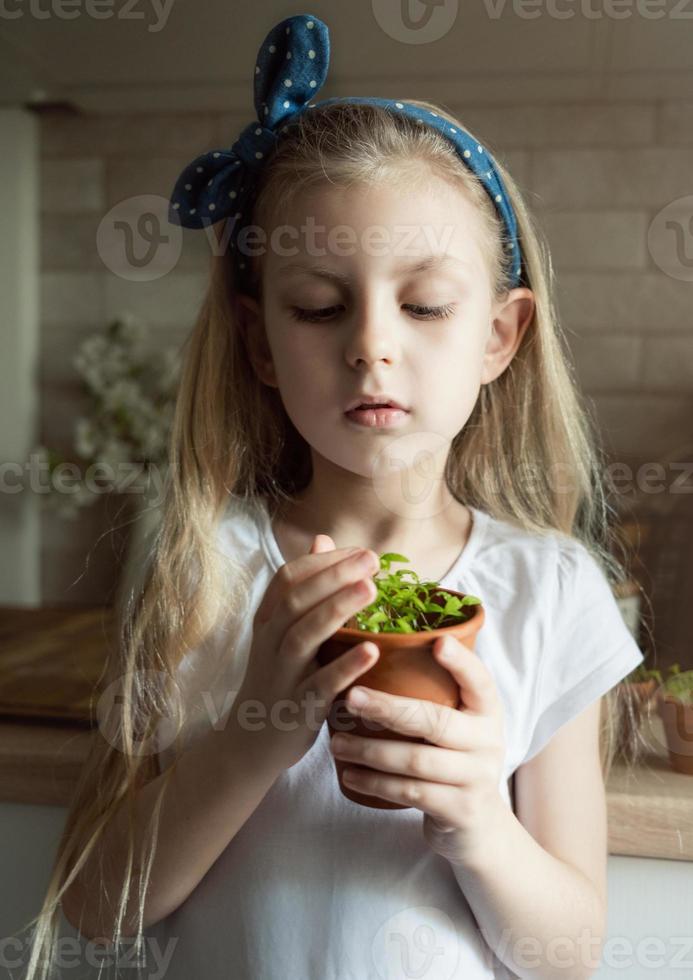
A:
{"x":419,"y":264}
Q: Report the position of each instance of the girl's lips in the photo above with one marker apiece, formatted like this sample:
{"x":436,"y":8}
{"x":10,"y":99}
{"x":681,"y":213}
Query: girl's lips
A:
{"x":377,"y":417}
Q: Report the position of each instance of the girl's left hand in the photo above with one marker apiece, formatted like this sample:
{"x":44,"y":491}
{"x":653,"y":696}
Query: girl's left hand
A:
{"x":455,"y":779}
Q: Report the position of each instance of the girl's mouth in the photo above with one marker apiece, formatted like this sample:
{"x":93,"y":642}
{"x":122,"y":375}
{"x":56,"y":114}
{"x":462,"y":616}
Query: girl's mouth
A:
{"x":373,"y":417}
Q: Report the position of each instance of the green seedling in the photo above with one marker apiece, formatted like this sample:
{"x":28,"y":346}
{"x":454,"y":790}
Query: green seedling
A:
{"x":643,"y":673}
{"x":679,"y":684}
{"x":406,"y":604}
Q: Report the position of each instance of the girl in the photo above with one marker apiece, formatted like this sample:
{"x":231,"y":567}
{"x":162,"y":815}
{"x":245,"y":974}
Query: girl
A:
{"x":208,"y":826}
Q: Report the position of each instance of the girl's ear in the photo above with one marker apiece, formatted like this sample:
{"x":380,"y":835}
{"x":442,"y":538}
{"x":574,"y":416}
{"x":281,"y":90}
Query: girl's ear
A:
{"x":252,"y":325}
{"x":509,"y":321}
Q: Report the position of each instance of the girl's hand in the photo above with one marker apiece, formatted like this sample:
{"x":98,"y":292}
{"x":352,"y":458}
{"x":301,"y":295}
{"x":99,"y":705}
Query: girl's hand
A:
{"x":455,"y":779}
{"x":307,"y":600}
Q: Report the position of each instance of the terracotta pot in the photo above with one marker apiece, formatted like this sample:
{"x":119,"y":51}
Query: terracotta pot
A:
{"x":678,"y":728}
{"x":643,"y":690}
{"x":406,"y":666}
{"x":638,"y":694}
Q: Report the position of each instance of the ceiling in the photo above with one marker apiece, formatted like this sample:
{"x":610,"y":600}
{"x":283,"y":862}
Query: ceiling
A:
{"x":173,"y":55}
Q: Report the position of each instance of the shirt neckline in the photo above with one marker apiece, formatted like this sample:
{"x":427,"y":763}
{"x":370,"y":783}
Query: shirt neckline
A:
{"x":461,"y":564}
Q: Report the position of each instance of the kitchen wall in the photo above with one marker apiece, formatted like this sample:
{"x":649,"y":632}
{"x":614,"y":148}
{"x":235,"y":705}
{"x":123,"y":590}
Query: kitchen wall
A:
{"x":596,"y":175}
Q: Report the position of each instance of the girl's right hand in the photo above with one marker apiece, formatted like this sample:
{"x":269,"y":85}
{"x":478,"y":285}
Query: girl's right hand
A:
{"x":307,"y":600}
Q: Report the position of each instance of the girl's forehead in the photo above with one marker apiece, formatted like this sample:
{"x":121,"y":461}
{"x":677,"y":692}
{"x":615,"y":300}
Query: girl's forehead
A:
{"x":425,"y":196}
{"x":447,"y":264}
{"x":418,"y":231}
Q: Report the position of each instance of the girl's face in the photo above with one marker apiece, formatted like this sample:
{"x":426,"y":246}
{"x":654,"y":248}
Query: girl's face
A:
{"x":344,"y":311}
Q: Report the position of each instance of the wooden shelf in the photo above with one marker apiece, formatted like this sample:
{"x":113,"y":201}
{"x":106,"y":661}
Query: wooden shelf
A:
{"x":51,"y":660}
{"x":651,"y":805}
{"x":40,"y":763}
{"x":650,"y":808}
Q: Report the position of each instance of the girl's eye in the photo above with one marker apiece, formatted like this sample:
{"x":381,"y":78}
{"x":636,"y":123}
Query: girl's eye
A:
{"x":421,"y":312}
{"x":434,"y":312}
{"x":311,"y":315}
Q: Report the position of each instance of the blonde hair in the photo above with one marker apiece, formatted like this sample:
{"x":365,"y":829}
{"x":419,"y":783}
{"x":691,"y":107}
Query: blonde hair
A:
{"x":232,"y":435}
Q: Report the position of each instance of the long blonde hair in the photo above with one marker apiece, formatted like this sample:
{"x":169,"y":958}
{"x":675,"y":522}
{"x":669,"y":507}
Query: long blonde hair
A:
{"x":232,"y":435}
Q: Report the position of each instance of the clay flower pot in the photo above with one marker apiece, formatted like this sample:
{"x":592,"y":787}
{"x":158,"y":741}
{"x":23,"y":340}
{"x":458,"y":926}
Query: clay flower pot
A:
{"x":406,"y":666}
{"x":677,"y":717}
{"x":638,"y":695}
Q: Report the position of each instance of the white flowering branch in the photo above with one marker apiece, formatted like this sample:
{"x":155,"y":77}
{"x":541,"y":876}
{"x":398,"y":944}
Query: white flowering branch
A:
{"x":131,"y":390}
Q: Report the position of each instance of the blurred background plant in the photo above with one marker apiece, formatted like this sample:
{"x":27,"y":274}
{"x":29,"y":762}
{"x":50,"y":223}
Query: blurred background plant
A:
{"x":131,"y":387}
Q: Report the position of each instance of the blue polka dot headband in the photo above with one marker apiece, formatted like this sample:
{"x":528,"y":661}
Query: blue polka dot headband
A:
{"x":291,"y":68}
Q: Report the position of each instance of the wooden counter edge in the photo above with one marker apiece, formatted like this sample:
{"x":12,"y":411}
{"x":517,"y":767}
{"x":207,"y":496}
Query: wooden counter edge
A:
{"x":40,"y":763}
{"x":650,"y":809}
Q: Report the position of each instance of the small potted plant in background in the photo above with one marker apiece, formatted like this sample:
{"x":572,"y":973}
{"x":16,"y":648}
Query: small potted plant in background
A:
{"x":638,"y":690}
{"x":405,"y":617}
{"x":675,"y":707}
{"x":643,"y":682}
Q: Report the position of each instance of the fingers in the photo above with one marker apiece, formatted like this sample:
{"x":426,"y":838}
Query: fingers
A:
{"x":295,"y":571}
{"x":328,"y":681}
{"x":321,"y":543}
{"x":315,"y":607}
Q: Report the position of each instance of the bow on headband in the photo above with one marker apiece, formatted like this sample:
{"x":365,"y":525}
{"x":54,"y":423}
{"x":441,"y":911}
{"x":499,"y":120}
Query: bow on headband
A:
{"x":291,"y":68}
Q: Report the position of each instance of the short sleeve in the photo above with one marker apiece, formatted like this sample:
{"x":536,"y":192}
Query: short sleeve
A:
{"x":589,"y":647}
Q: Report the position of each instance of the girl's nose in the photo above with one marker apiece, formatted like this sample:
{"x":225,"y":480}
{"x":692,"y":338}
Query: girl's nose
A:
{"x":371,"y":339}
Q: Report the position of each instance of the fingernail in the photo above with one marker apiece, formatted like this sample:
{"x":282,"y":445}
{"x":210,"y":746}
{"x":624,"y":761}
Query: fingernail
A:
{"x":358,"y":696}
{"x":446,"y":650}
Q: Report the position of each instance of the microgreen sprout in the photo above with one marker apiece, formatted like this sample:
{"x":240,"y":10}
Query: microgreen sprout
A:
{"x":406,"y":604}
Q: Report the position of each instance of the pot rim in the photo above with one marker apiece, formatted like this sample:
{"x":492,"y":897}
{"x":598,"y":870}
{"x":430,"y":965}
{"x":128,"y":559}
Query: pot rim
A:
{"x":476,"y":620}
{"x":676,"y":700}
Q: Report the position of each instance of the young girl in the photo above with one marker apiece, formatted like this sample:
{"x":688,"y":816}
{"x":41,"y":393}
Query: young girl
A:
{"x":398,"y":264}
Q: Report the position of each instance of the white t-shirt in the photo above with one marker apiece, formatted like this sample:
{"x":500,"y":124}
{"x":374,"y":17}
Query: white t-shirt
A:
{"x":316,"y":887}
